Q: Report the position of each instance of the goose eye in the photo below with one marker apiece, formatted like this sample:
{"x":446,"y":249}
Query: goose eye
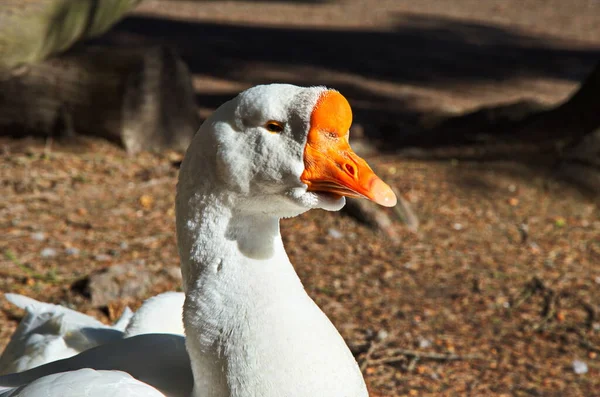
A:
{"x":274,"y":126}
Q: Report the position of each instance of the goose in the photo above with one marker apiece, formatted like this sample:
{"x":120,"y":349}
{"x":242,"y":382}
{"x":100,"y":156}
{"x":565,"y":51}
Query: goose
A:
{"x":50,"y":332}
{"x":251,"y":329}
{"x":160,"y":314}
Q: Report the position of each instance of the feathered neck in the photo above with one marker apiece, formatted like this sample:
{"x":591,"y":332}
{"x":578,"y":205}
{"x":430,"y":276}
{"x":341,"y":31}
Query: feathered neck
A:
{"x":234,"y":265}
{"x":251,"y":329}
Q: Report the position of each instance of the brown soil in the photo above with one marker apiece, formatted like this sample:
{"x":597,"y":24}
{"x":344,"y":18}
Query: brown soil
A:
{"x":497,"y":292}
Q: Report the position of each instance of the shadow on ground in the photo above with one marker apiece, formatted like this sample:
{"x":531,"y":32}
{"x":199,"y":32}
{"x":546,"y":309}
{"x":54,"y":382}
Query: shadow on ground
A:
{"x":425,"y":52}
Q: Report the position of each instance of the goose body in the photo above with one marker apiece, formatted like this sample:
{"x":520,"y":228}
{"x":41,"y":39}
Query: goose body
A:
{"x":161,"y":314}
{"x":52,"y":332}
{"x":71,"y":384}
{"x":157,"y":360}
{"x":250,"y":328}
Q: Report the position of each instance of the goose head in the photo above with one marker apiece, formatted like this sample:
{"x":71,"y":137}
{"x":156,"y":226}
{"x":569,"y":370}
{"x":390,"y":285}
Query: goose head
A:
{"x":282,"y":150}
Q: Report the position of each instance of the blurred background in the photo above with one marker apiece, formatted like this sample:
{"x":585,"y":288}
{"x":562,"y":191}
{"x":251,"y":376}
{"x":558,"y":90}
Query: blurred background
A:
{"x":483,"y":115}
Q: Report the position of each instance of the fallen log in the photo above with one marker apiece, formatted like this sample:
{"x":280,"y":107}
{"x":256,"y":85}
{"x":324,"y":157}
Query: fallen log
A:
{"x":524,"y":121}
{"x":141,"y":98}
{"x":383,"y":219}
{"x":580,"y":163}
{"x":566,"y":135}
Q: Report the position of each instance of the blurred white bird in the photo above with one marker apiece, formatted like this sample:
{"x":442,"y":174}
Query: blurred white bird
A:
{"x":50,"y":332}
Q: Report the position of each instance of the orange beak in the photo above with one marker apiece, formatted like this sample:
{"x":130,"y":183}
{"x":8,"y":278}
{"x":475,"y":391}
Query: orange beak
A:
{"x":330,"y":165}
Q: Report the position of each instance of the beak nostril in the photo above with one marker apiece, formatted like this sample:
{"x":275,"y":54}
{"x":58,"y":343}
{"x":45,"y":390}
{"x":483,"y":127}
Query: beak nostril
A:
{"x":350,"y":169}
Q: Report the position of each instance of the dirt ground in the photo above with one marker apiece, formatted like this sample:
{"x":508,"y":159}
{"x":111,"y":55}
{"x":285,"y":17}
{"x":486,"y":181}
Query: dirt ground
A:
{"x":497,"y":292}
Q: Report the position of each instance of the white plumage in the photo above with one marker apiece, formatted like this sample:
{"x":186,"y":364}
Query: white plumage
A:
{"x":161,"y":314}
{"x":52,"y":332}
{"x":85,"y":383}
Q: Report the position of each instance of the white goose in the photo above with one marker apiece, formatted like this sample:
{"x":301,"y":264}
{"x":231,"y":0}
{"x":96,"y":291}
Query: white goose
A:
{"x":50,"y":332}
{"x":161,"y":314}
{"x":251,"y":330}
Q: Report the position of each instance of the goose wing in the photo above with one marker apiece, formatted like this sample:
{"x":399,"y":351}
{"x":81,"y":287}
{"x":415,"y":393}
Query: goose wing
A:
{"x":50,"y":332}
{"x":84,"y":383}
{"x":158,"y":360}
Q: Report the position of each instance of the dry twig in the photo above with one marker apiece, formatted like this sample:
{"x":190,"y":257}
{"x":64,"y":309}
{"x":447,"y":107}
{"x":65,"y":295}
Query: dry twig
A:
{"x":552,"y":300}
{"x":368,"y":355}
{"x":397,"y":355}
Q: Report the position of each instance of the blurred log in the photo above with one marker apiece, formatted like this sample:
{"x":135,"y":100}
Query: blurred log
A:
{"x":571,"y":120}
{"x":31,"y":30}
{"x":576,"y":125}
{"x":405,"y":212}
{"x":370,"y":214}
{"x":566,"y":135}
{"x":141,"y":98}
{"x":524,"y":121}
{"x":383,"y":219}
{"x":580,"y":163}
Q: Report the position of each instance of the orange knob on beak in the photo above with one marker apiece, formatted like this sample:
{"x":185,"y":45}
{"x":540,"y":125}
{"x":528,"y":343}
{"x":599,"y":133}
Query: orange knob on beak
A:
{"x":330,"y":165}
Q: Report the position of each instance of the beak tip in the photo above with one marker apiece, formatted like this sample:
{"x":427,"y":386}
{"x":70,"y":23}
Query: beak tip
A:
{"x":383,"y":194}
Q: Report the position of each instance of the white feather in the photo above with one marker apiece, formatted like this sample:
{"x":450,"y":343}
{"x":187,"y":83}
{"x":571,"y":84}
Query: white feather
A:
{"x":50,"y":332}
{"x":85,"y":383}
{"x":159,"y":360}
{"x":161,"y":314}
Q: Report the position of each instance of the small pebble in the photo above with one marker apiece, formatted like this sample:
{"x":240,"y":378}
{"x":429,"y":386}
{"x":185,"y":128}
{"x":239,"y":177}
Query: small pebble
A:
{"x":335,"y":233}
{"x":597,"y":279}
{"x":424,"y":343}
{"x":457,"y":226}
{"x":512,"y":188}
{"x":38,"y":236}
{"x":534,"y":247}
{"x":48,"y":253}
{"x":382,"y":334}
{"x":72,"y":251}
{"x":174,"y":272}
{"x":102,"y":257}
{"x":579,"y":367}
{"x":124,"y":245}
{"x":146,"y":201}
